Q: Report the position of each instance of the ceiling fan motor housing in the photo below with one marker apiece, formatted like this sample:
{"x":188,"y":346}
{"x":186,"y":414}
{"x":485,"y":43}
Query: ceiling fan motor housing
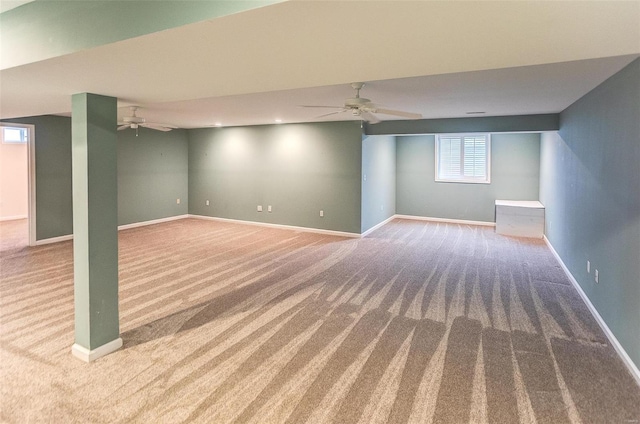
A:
{"x":356,"y":102}
{"x":133,"y":120}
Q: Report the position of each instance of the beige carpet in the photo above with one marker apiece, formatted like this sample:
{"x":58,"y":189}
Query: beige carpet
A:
{"x":418,"y":323}
{"x":14,"y":234}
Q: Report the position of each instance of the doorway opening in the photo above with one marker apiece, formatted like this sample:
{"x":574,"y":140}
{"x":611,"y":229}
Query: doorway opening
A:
{"x":17,"y":189}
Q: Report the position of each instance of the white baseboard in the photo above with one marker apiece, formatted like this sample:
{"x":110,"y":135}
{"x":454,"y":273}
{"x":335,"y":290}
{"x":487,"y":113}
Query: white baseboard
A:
{"x":120,"y":228}
{"x":13,"y":218}
{"x":633,"y":368}
{"x":342,"y":233}
{"x":375,"y":227}
{"x":87,"y":355}
{"x":280,"y":226}
{"x":151,"y":222}
{"x":447,"y":220}
{"x":54,"y":240}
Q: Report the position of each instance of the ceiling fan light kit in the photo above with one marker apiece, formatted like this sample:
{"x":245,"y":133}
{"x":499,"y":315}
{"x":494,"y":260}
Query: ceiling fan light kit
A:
{"x":364,"y":108}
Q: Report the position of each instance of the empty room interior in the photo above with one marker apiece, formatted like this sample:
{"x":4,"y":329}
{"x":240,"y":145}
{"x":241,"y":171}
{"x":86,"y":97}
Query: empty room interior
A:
{"x":295,"y":211}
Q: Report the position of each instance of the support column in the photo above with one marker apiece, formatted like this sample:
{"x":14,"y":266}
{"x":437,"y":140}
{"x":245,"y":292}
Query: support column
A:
{"x":95,"y":225}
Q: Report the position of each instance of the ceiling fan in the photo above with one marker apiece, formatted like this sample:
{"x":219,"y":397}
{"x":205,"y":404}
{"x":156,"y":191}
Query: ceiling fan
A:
{"x":134,"y":121}
{"x":359,"y":106}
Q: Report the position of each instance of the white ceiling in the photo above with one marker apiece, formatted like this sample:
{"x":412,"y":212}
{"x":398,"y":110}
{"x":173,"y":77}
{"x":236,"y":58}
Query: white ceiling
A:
{"x":11,"y":4}
{"x":511,"y":91}
{"x":441,"y":59}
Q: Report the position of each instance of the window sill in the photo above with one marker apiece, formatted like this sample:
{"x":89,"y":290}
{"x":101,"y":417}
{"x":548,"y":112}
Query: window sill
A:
{"x":464,"y":181}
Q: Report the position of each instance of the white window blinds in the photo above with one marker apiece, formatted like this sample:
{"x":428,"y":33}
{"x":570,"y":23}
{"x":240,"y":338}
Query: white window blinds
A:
{"x":462,"y":157}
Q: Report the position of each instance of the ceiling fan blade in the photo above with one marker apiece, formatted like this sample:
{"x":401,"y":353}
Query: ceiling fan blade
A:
{"x":173,"y":127}
{"x":158,"y":127}
{"x":408,"y":115}
{"x":369,"y":117}
{"x":331,"y":113}
{"x":123,"y":127}
{"x":331,"y":107}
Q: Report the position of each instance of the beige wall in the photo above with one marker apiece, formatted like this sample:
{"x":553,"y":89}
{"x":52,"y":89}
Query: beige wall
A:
{"x":13,"y":181}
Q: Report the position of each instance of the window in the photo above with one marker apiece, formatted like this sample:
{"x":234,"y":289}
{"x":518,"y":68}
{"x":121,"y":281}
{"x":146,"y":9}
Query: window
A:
{"x":15,"y":135}
{"x":463,"y":158}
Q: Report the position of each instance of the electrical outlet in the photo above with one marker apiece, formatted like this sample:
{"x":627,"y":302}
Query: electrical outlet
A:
{"x":259,"y":208}
{"x":597,"y":276}
{"x":588,"y":267}
{"x":269,"y":208}
{"x":364,"y":177}
{"x":177,"y":201}
{"x":207,"y":203}
{"x":321,"y":213}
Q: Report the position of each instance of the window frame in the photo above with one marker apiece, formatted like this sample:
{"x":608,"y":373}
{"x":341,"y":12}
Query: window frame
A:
{"x":24,"y":130}
{"x":464,"y":180}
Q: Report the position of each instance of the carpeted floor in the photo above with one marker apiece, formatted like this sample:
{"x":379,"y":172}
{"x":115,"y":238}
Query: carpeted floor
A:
{"x":14,"y":234}
{"x":222,"y":323}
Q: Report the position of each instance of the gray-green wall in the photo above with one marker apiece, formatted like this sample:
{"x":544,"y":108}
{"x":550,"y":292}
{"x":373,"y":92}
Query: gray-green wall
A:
{"x":481,"y":124}
{"x":152,"y":174}
{"x":378,"y":180}
{"x":298,"y":169}
{"x":590,"y":186}
{"x":515,"y":174}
